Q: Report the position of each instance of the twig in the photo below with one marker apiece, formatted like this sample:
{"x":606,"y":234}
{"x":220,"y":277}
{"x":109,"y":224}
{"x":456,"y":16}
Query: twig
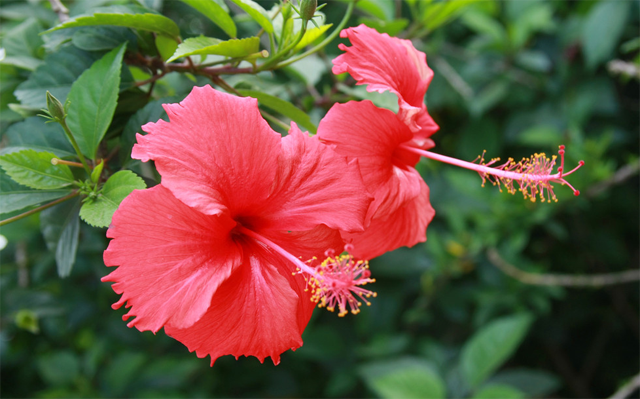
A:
{"x":454,"y":78}
{"x":60,"y":9}
{"x":22,"y":262}
{"x":564,"y":367}
{"x":627,"y":389}
{"x":38,"y":209}
{"x":566,"y":280}
{"x":621,"y":175}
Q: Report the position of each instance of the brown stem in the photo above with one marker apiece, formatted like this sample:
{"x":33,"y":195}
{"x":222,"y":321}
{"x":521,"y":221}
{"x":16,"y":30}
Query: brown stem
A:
{"x":38,"y":209}
{"x":566,"y":280}
{"x":627,"y":389}
{"x":60,"y":9}
{"x":22,"y":262}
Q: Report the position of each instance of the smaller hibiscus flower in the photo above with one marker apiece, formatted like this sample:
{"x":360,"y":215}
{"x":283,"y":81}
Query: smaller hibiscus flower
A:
{"x":386,"y":63}
{"x":388,"y":146}
{"x":221,"y":253}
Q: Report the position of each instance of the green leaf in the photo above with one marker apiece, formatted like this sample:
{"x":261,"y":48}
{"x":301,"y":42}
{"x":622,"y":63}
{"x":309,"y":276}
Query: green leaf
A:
{"x":602,"y":30}
{"x":403,"y":378}
{"x":533,"y":383}
{"x":283,"y":107}
{"x":97,"y":171}
{"x":99,"y":211}
{"x":491,"y":346}
{"x":114,"y":16}
{"x":151,"y":112}
{"x":100,"y":38}
{"x":59,"y":368}
{"x":438,"y":14}
{"x":93,"y":99}
{"x":34,"y":133}
{"x":56,"y":75}
{"x":234,"y":48}
{"x":310,"y":36}
{"x":256,"y":12}
{"x":60,"y":227}
{"x":34,"y":169}
{"x":498,"y":391}
{"x":486,"y":25}
{"x":23,"y":45}
{"x":166,"y":46}
{"x":14,"y":196}
{"x":381,"y":9}
{"x":217,"y":14}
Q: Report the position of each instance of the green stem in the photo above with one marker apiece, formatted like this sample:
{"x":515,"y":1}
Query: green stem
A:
{"x":38,"y":209}
{"x":274,"y":60}
{"x":275,"y":120}
{"x":63,"y":123}
{"x":326,"y":41}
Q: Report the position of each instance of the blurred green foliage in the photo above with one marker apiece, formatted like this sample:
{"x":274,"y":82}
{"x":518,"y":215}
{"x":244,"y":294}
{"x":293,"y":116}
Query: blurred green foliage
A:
{"x":511,"y":78}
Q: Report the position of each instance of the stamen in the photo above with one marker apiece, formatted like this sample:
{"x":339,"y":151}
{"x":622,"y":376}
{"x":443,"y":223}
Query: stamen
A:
{"x":533,"y":175}
{"x":339,"y":284}
{"x":336,"y":282}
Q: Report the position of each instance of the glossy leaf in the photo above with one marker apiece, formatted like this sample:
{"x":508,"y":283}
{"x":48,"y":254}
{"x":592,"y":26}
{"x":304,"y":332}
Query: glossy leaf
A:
{"x":217,"y":14}
{"x":404,"y":378}
{"x":438,"y":14}
{"x":533,"y":383}
{"x":234,"y":48}
{"x":33,"y":133}
{"x":166,"y":46}
{"x":22,"y":45}
{"x":602,"y":30}
{"x":310,"y":36}
{"x":149,"y":113}
{"x":256,"y":12}
{"x":60,"y":226}
{"x":283,"y":107}
{"x":491,"y":346}
{"x":56,"y":75}
{"x":99,"y":211}
{"x":93,"y":99}
{"x":498,"y":391}
{"x":14,"y":196}
{"x":99,"y":38}
{"x":130,"y":17}
{"x":34,"y":169}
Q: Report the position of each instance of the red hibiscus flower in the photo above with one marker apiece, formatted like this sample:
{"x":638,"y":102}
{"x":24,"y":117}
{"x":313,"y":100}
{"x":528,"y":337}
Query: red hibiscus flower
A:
{"x":385,"y":63}
{"x":377,"y":138}
{"x":216,"y":253}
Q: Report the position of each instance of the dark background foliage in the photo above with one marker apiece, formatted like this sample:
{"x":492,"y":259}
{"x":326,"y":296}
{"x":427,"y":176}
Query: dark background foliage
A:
{"x":511,"y":78}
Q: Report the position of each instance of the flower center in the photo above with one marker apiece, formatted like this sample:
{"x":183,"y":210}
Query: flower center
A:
{"x":336,"y":282}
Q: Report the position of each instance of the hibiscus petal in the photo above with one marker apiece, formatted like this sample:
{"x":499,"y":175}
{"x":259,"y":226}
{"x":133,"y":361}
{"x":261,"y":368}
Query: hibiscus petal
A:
{"x":362,"y":131}
{"x":315,"y":185}
{"x":254,"y":313}
{"x":171,"y":258}
{"x":405,"y":227}
{"x":216,"y":153}
{"x":387,"y":63}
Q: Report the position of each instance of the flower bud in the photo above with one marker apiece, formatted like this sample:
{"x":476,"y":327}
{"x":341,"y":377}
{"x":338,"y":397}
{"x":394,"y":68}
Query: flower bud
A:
{"x":308,"y":9}
{"x":56,"y":110}
{"x":286,"y":11}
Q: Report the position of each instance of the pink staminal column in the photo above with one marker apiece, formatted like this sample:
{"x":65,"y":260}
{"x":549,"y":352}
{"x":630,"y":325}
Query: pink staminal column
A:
{"x":335,"y":283}
{"x":534,"y":175}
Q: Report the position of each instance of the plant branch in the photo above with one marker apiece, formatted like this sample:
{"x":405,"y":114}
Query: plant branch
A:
{"x":627,"y":389}
{"x":326,"y":41}
{"x":565,"y":280}
{"x":620,"y":176}
{"x":38,"y":209}
{"x":60,"y":9}
{"x":73,"y":142}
